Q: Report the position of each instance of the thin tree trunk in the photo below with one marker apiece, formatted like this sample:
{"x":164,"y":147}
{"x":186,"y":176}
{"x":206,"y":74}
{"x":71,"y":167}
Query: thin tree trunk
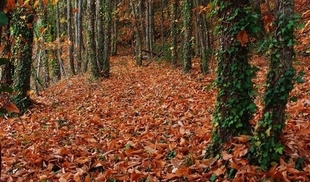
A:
{"x":100,"y":33}
{"x":78,"y":34}
{"x":279,"y":85}
{"x":138,"y":37}
{"x":43,"y":52}
{"x":114,"y":33}
{"x":187,"y":35}
{"x":70,"y":37}
{"x":56,"y":66}
{"x":107,"y":39}
{"x":174,"y":32}
{"x":91,"y":41}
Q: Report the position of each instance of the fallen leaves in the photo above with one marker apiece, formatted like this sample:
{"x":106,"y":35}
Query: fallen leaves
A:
{"x":135,"y":126}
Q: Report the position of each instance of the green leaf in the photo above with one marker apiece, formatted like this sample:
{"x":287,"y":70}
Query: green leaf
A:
{"x":294,"y":99}
{"x":3,"y":19}
{"x":213,"y":178}
{"x":6,"y":89}
{"x":4,"y":61}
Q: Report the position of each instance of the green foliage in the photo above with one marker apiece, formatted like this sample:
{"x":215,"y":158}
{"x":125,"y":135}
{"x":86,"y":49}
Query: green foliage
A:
{"x":3,"y":19}
{"x":235,"y":105}
{"x":266,"y":145}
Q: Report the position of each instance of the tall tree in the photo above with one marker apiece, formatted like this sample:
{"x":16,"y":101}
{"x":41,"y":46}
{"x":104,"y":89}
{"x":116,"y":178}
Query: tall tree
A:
{"x":43,"y":53}
{"x":174,"y":32}
{"x":107,"y":38}
{"x":114,"y":33}
{"x":266,"y":143}
{"x":78,"y":34}
{"x":149,"y":27}
{"x":91,"y":40}
{"x":23,"y":34}
{"x":234,"y":102}
{"x":138,"y":34}
{"x":57,"y":70}
{"x":100,"y":13}
{"x":202,"y":35}
{"x":187,"y":6}
{"x":70,"y":37}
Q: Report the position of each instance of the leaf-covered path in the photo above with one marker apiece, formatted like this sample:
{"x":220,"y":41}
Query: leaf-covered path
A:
{"x":144,"y":123}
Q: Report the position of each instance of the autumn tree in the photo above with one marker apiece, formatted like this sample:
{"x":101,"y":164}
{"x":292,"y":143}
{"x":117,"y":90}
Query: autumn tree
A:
{"x":187,"y":48}
{"x":91,"y":38}
{"x":234,"y":102}
{"x":137,"y":31}
{"x":267,"y":142}
{"x":22,"y":32}
{"x":107,"y":11}
{"x":70,"y":37}
{"x":174,"y":32}
{"x":202,"y":34}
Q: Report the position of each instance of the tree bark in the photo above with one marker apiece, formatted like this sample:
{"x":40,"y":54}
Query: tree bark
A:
{"x":187,"y":48}
{"x":70,"y":37}
{"x":91,"y":40}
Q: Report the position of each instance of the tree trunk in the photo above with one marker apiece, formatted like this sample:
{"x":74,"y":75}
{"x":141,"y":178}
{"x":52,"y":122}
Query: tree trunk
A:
{"x":107,"y":39}
{"x":57,"y":63}
{"x":24,"y":33}
{"x":234,"y":102}
{"x":100,"y":13}
{"x":149,"y":28}
{"x":114,"y":32}
{"x":91,"y":41}
{"x":70,"y":37}
{"x":187,"y":6}
{"x":279,"y":84}
{"x":78,"y":34}
{"x":43,"y":52}
{"x":138,"y":36}
{"x":174,"y":32}
{"x":202,"y":37}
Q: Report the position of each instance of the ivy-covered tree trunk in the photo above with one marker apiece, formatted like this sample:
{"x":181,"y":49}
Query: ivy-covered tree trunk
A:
{"x":187,"y":35}
{"x":234,"y":102}
{"x":267,"y":144}
{"x":23,"y":31}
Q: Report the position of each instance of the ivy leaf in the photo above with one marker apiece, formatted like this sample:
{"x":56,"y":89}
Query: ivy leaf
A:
{"x":6,"y":89}
{"x":4,"y":61}
{"x":3,"y":19}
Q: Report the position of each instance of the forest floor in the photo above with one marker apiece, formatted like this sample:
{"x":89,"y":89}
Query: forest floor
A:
{"x":143,"y":124}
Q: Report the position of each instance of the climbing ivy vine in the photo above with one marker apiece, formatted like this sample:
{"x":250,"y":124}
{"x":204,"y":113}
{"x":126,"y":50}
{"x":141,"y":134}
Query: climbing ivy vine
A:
{"x":266,"y":144}
{"x":234,"y":104}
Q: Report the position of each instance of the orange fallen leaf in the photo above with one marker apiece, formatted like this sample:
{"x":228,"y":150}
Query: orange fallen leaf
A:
{"x":12,"y":108}
{"x":242,"y":37}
